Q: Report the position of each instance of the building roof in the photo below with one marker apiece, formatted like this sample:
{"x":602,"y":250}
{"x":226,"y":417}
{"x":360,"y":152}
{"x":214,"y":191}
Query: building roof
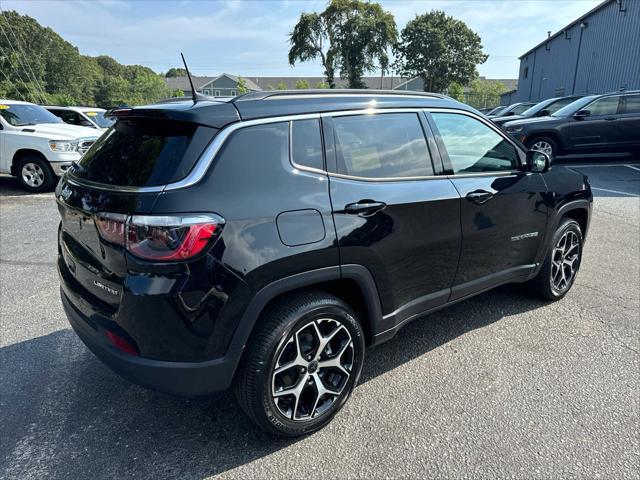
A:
{"x":562,"y":30}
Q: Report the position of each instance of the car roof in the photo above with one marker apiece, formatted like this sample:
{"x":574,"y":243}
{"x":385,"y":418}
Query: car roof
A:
{"x":277,"y":103}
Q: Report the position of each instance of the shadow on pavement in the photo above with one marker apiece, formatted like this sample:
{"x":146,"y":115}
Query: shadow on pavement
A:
{"x":9,"y":187}
{"x":65,"y":415}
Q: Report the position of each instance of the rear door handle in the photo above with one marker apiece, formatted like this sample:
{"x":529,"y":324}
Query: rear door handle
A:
{"x":364,"y":208}
{"x":610,"y":118}
{"x":479,"y":196}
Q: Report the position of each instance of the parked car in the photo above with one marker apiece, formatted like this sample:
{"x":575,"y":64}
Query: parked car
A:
{"x":268,"y":240}
{"x":594,"y":124}
{"x":541,"y":109}
{"x":36,"y":146}
{"x":513,"y":109}
{"x":83,"y":116}
{"x":496,"y":111}
{"x":487,"y":110}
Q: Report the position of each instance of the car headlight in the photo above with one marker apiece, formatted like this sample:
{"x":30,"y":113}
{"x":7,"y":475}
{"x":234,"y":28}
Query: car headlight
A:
{"x":62,"y":146}
{"x":514,"y":129}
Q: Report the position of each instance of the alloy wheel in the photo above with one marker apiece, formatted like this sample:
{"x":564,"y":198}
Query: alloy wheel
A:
{"x":544,"y":147}
{"x":565,"y":260}
{"x":32,"y":174}
{"x":312,"y":369}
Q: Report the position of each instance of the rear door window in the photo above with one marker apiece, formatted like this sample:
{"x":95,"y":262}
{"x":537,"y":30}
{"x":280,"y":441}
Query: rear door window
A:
{"x":141,"y":153}
{"x":632,"y":104}
{"x":382,"y":146}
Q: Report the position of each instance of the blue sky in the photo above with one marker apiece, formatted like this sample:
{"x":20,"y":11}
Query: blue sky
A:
{"x":250,"y":37}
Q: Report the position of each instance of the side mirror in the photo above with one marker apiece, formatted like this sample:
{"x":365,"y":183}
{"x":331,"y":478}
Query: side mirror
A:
{"x":538,"y":162}
{"x":542,"y":113}
{"x":581,"y":114}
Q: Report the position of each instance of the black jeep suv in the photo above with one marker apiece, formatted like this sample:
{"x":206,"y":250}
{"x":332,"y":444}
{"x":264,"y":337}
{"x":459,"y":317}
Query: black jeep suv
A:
{"x":594,"y":124}
{"x":266,"y":241}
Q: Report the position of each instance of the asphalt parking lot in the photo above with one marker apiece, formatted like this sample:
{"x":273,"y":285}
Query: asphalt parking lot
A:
{"x":498,"y":386}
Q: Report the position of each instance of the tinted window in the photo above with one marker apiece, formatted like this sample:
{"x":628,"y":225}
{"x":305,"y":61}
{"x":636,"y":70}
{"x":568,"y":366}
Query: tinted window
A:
{"x":555,"y":106}
{"x":633,"y":104}
{"x":306,"y":146}
{"x":381,"y":146}
{"x":474,"y":147}
{"x":521,"y":108}
{"x":604,"y":106}
{"x":144,"y":153}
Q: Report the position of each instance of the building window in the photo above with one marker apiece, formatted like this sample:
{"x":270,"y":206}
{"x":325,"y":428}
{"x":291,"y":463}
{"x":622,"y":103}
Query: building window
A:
{"x":526,"y":72}
{"x":217,"y":93}
{"x":233,"y":93}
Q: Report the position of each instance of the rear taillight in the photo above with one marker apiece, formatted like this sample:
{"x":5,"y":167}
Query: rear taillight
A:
{"x":161,"y":238}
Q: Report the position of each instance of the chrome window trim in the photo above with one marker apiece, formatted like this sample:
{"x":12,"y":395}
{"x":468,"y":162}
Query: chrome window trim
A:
{"x":492,"y":126}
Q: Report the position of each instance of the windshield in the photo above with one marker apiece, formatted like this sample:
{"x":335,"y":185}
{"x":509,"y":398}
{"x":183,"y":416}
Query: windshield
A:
{"x":573,"y":107}
{"x":18,"y":114}
{"x":99,"y":119}
{"x":543,"y":105}
{"x":518,"y":109}
{"x":497,"y":110}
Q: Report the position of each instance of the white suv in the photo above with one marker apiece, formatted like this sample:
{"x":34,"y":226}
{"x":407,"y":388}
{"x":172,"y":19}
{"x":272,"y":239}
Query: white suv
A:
{"x":83,"y":116}
{"x":36,"y":146}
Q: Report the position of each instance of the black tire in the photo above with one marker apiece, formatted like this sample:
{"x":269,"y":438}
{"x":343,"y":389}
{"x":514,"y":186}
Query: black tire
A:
{"x":35,"y":174}
{"x":273,"y":339}
{"x":544,"y":285}
{"x":550,"y":141}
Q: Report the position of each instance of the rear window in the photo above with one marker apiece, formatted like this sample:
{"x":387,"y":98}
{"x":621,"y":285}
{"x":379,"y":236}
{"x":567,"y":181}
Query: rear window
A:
{"x":144,"y":153}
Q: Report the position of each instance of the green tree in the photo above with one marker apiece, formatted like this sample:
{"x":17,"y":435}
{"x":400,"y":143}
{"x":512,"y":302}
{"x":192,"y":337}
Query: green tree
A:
{"x":352,"y":35}
{"x":485,"y":93}
{"x":322,"y":84}
{"x":302,"y":84}
{"x":363,"y":35}
{"x":310,"y":40}
{"x":176,"y":72}
{"x":37,"y":65}
{"x":440,"y":50}
{"x":177,"y":93}
{"x":281,"y":86}
{"x":456,"y":91}
{"x":242,"y":86}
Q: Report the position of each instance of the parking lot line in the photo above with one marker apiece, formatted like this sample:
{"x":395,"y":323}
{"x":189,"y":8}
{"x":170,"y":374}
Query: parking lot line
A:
{"x":615,"y":191}
{"x":605,"y":165}
{"x":632,"y":167}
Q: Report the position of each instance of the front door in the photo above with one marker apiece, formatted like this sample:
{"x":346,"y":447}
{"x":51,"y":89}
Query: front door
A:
{"x":599,"y":130}
{"x":502,"y":207}
{"x":391,"y":213}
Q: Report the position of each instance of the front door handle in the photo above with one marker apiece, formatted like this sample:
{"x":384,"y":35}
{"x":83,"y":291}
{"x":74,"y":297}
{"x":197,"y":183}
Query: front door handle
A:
{"x":364,"y":208}
{"x":610,"y":118}
{"x":479,"y":196}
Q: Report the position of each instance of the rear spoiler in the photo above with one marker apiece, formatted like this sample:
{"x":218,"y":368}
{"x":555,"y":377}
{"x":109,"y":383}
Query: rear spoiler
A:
{"x":210,"y":114}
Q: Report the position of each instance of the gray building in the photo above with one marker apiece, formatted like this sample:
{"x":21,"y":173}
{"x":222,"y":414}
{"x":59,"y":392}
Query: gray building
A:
{"x":596,"y":53}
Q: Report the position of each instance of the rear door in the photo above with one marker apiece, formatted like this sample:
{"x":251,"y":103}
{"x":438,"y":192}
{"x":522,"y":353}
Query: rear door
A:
{"x":600,"y":129}
{"x":392,"y":213}
{"x":630,"y":121}
{"x":503,"y":208}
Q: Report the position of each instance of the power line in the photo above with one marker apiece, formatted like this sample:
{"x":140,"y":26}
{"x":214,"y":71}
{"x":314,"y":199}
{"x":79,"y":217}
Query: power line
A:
{"x":17,"y":74}
{"x":21,"y":51}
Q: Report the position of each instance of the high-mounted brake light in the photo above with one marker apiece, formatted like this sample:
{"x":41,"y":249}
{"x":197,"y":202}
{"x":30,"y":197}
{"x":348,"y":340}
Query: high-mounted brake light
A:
{"x":161,"y":238}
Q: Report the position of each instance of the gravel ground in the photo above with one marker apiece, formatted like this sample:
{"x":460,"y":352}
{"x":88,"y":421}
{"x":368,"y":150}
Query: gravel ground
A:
{"x":498,"y":386}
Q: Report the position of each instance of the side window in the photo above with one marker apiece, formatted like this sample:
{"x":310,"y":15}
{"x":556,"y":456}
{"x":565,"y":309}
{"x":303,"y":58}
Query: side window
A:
{"x":632,"y":104}
{"x":57,"y":113}
{"x":306,"y":145}
{"x":390,"y":145}
{"x":473,"y":146}
{"x":604,"y":106}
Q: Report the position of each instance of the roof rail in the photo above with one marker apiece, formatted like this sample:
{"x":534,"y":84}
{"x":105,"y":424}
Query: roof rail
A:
{"x":280,"y":94}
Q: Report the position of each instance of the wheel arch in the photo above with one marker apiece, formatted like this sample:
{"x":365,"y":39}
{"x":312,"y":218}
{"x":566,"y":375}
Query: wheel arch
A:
{"x":21,"y":153}
{"x":353,"y":284}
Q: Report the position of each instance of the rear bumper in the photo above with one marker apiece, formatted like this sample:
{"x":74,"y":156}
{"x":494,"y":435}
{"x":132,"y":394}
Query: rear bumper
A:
{"x":176,"y":378}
